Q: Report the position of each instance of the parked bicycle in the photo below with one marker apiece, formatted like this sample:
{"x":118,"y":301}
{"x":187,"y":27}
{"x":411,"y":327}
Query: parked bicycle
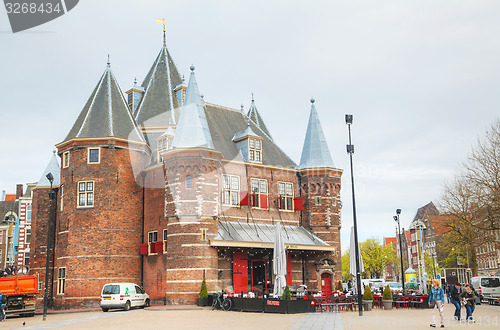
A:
{"x":221,"y":303}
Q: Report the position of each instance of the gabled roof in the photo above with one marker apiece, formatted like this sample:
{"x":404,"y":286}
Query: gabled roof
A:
{"x":255,"y":117}
{"x":106,"y":113}
{"x":225,"y":122}
{"x":315,"y":152}
{"x":54,"y":168}
{"x":425,"y":211}
{"x":192,"y":129}
{"x":159,"y":105}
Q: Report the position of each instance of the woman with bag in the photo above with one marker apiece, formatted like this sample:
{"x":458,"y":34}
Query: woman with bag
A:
{"x":468,"y":297}
{"x":436,"y":300}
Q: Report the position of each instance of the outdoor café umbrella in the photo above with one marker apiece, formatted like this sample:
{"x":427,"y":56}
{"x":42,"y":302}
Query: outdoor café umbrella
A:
{"x":279,"y":262}
{"x":352,"y":253}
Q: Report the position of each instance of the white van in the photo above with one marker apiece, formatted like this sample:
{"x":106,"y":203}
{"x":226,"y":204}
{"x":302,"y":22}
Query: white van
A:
{"x":123,"y":296}
{"x":486,"y":286}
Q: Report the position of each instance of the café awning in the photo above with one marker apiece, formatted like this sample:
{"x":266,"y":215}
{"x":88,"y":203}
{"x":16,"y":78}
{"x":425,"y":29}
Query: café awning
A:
{"x":261,"y":235}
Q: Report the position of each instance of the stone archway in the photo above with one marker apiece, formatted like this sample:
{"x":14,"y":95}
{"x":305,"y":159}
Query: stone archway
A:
{"x":325,"y":269}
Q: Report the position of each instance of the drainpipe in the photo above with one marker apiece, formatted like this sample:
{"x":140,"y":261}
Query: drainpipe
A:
{"x":143,"y":174}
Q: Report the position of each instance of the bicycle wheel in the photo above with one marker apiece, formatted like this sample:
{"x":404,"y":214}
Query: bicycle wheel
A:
{"x":214,"y":304}
{"x":226,"y":304}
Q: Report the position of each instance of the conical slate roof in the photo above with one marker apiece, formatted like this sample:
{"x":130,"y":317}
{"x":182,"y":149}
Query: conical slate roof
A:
{"x":254,"y":116}
{"x":315,"y":152}
{"x":106,"y":114}
{"x":159,"y":105}
{"x":54,"y":168}
{"x":192,"y":129}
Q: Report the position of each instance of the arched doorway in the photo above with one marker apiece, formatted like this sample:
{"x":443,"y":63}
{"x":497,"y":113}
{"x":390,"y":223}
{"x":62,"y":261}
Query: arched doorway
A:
{"x":326,"y":282}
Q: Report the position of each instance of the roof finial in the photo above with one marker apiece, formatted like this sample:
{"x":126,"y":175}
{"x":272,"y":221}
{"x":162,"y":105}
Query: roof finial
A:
{"x":183,"y":78}
{"x":109,"y":62}
{"x":135,"y":81}
{"x":54,"y":151}
{"x":313,"y":100}
{"x":191,"y":67}
{"x":242,"y":108}
{"x":252,"y":98}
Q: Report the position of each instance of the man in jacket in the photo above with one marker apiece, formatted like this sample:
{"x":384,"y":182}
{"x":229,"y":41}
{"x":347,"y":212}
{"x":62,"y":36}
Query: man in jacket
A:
{"x":2,"y":306}
{"x":470,"y":304}
{"x":455,"y":292}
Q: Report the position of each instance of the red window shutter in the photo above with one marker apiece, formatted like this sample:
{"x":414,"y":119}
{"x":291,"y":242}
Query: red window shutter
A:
{"x":152,"y":247}
{"x":144,"y":248}
{"x":158,"y":247}
{"x":243,"y":198}
{"x":263,"y":201}
{"x":288,"y":270}
{"x":240,"y":272}
{"x":280,"y":202}
{"x":298,"y":204}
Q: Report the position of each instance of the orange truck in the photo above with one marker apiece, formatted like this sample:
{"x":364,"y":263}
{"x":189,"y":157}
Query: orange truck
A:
{"x":20,"y":292}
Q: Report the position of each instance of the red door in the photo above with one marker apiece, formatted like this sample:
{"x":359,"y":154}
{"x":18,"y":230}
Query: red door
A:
{"x":326,"y":282}
{"x":240,"y":272}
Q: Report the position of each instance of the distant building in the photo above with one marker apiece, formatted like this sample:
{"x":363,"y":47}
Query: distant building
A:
{"x":488,"y":254}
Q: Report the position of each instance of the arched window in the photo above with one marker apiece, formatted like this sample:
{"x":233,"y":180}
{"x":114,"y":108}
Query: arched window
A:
{"x":189,"y":183}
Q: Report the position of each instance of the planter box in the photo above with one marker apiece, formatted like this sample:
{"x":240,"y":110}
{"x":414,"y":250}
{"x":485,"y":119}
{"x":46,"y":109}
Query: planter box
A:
{"x":369,"y":304}
{"x":236,"y":303}
{"x":252,"y":305}
{"x":300,"y":306}
{"x":387,"y":304}
{"x":202,"y":301}
{"x":276,"y":306}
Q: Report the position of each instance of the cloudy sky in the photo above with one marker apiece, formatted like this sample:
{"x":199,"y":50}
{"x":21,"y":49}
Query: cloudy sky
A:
{"x":422,"y":79}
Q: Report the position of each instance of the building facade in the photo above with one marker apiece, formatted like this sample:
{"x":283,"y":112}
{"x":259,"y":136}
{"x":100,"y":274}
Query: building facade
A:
{"x":164,"y":189}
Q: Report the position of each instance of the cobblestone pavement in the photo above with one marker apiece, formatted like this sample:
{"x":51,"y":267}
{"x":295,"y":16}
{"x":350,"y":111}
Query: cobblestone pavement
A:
{"x":190,"y":317}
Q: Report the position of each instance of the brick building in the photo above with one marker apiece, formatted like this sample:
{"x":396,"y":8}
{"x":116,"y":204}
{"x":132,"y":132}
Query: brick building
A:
{"x":164,"y":189}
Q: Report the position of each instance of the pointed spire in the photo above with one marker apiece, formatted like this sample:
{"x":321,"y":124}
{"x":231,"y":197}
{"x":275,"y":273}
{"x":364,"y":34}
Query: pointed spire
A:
{"x":159,"y":105}
{"x":106,"y":113}
{"x":192,"y":129}
{"x":53,"y":168}
{"x":315,"y":152}
{"x":254,"y":116}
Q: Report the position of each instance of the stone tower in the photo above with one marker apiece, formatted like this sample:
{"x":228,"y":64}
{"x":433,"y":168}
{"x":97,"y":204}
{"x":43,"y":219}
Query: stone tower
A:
{"x":100,"y":216}
{"x":320,"y":188}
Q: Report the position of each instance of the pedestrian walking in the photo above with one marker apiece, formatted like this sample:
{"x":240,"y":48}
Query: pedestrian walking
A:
{"x":468,"y":297}
{"x":3,"y":301}
{"x":437,"y":294}
{"x":447,"y":291}
{"x":455,"y":292}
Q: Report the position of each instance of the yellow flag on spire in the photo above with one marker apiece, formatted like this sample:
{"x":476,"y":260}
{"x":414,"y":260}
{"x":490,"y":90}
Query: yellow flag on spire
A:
{"x":160,"y":20}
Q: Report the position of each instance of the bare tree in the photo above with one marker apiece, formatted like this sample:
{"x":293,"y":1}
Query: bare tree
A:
{"x":483,"y":171}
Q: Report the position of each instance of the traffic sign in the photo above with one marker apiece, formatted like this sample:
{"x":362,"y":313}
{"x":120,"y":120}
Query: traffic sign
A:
{"x":438,"y":276}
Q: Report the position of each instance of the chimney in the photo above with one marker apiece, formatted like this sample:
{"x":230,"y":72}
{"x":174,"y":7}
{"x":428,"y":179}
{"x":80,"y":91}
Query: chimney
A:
{"x":2,"y":198}
{"x":19,"y":191}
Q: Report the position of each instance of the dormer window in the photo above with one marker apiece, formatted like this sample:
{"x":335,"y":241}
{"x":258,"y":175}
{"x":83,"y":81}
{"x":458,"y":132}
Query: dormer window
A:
{"x":65,"y":159}
{"x":254,"y":150}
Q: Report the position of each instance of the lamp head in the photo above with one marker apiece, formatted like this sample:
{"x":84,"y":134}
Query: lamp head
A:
{"x":348,"y":119}
{"x":395,"y":218}
{"x":398,"y":211}
{"x":50,"y":177}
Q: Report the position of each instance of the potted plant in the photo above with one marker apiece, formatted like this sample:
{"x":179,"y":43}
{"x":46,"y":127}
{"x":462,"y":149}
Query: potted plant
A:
{"x":368,"y":297}
{"x":287,"y":295}
{"x":203,"y":300}
{"x":387,"y":298}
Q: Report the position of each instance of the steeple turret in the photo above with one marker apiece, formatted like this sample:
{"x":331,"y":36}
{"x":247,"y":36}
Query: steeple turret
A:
{"x":315,"y":153}
{"x":106,"y":114}
{"x":254,"y":116}
{"x":192,"y":129}
{"x":159,"y":105}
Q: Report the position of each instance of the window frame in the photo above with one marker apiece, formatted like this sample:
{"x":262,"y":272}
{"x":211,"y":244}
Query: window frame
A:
{"x":229,"y":198}
{"x":203,"y":234}
{"x":286,"y":199}
{"x":165,"y":239}
{"x":65,"y":159}
{"x":85,"y":192}
{"x":155,"y":236}
{"x":98,"y":155}
{"x":189,"y":181}
{"x":255,"y":150}
{"x":61,"y":281}
{"x":256,"y":194}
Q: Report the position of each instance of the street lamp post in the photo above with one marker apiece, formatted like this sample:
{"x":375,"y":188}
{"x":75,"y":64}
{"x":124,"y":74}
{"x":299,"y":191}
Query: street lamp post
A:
{"x":350,"y":151}
{"x":52,"y":196}
{"x":396,"y":218}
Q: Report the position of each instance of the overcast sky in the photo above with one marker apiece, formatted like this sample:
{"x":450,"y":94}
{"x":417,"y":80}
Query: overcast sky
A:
{"x":422,"y":79}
